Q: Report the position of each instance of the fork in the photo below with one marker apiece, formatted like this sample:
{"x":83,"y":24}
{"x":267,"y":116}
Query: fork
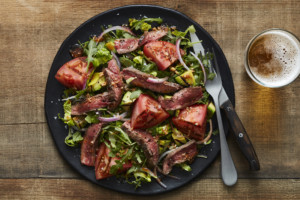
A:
{"x":213,"y":87}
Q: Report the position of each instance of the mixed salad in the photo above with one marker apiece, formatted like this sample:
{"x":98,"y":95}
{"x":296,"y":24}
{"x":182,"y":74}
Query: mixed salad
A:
{"x":135,"y":100}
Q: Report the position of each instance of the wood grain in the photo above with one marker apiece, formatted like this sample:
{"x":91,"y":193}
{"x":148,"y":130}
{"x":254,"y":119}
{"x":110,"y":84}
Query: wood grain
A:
{"x":203,"y":189}
{"x":31,"y":33}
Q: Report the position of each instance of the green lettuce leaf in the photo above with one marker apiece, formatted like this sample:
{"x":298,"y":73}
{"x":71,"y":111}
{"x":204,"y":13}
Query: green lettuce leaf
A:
{"x":186,"y":167}
{"x":90,"y":51}
{"x":67,"y":114}
{"x":182,"y":34}
{"x":102,"y":55}
{"x":135,"y":94}
{"x":126,"y":61}
{"x":73,"y":139}
{"x":91,"y":118}
{"x":143,"y":24}
{"x":205,"y":98}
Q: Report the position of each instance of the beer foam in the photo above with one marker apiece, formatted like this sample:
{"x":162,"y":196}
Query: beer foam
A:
{"x":277,"y":58}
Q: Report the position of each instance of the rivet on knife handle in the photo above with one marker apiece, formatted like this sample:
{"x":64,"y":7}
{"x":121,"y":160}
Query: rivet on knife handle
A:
{"x":241,"y":135}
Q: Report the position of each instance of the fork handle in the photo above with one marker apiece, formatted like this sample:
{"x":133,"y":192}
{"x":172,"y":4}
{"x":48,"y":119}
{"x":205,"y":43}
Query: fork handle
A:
{"x":241,"y":135}
{"x":228,"y":170}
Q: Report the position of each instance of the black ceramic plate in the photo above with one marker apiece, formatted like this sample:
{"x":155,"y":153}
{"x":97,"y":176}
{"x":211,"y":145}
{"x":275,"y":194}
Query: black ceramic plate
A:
{"x":54,"y":90}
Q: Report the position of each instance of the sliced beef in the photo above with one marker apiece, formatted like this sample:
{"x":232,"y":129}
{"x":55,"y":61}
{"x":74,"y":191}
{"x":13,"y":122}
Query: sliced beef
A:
{"x":184,"y":153}
{"x":182,"y":98}
{"x":88,"y":147}
{"x":115,"y":83}
{"x":110,"y":99}
{"x":153,"y":35}
{"x":140,"y":80}
{"x":146,"y":141}
{"x":126,"y":45}
{"x":92,"y":103}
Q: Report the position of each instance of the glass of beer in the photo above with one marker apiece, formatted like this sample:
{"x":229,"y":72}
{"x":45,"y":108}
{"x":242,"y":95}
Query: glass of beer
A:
{"x":272,"y":58}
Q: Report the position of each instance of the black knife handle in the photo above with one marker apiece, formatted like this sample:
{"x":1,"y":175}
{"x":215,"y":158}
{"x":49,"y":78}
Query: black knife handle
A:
{"x":241,"y":135}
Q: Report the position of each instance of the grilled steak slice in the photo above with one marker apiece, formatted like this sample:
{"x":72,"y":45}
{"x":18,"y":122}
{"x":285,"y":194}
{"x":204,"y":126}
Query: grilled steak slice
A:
{"x":88,"y":147}
{"x":184,"y":153}
{"x":153,"y":35}
{"x":182,"y":98}
{"x":109,"y":99}
{"x":115,"y":83}
{"x":126,"y":45}
{"x":140,"y":80}
{"x":92,"y":103}
{"x":146,"y":141}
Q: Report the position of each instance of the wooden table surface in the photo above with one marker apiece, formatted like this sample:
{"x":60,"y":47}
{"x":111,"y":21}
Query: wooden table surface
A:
{"x":30,"y":165}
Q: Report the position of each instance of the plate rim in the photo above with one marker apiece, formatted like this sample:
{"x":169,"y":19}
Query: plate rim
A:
{"x":218,"y":49}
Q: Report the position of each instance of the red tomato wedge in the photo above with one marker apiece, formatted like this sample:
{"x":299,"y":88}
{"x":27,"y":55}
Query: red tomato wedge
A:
{"x":147,"y":112}
{"x":192,"y":121}
{"x":73,"y":74}
{"x":162,"y":53}
{"x":126,"y":166}
{"x":104,"y":163}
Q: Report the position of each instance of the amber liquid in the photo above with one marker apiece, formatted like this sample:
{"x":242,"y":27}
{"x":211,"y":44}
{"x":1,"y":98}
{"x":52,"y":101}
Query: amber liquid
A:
{"x":273,"y":58}
{"x":262,"y":59}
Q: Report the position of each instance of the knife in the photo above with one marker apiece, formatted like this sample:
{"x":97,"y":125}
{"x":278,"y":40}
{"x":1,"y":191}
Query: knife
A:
{"x":238,"y":129}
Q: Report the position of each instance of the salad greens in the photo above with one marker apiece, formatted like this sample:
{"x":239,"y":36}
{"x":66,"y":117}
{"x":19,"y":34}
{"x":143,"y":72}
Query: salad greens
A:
{"x":96,"y":53}
{"x":143,"y":24}
{"x":112,"y":135}
{"x":73,"y":139}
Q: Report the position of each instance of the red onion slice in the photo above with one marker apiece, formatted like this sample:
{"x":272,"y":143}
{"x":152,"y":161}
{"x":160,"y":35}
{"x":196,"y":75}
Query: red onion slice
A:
{"x":99,"y":38}
{"x":202,"y":67}
{"x":166,"y":153}
{"x":179,"y":54}
{"x":117,"y":59}
{"x":157,"y":80}
{"x":84,"y":86}
{"x":209,"y":134}
{"x":116,"y":117}
{"x":68,"y":98}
